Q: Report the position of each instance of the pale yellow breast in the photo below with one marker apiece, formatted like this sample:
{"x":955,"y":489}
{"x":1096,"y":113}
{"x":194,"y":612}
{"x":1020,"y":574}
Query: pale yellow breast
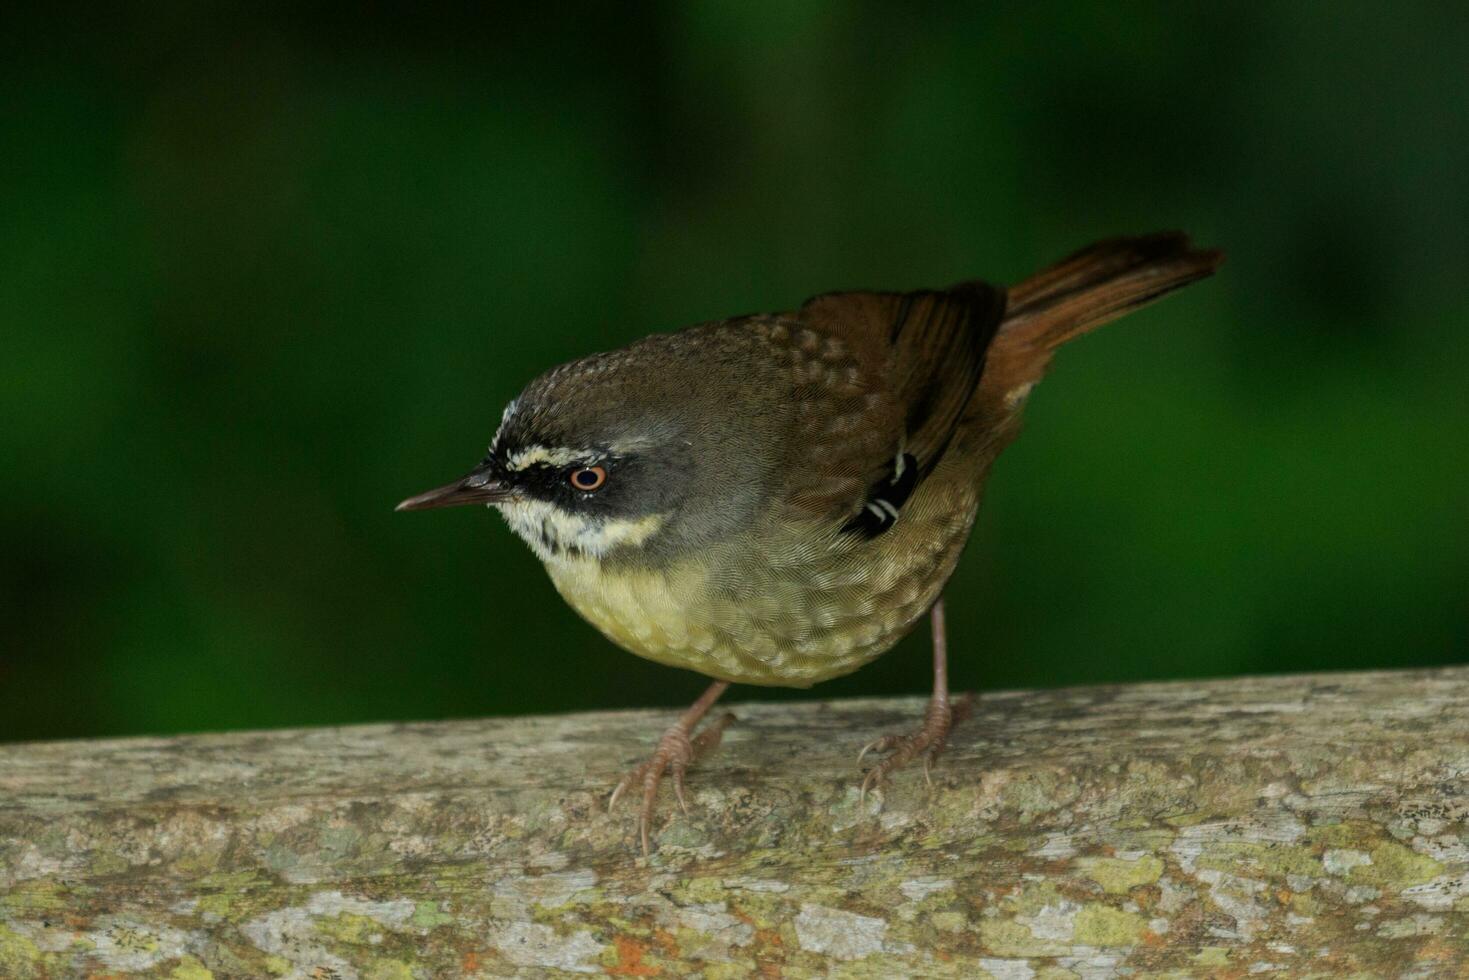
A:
{"x":777,"y":607}
{"x":659,"y":615}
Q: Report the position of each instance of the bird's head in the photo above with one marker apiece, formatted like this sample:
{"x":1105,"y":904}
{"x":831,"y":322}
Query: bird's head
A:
{"x":611,"y":459}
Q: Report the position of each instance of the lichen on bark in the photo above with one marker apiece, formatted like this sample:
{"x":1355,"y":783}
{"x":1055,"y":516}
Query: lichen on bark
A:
{"x":1310,"y":824}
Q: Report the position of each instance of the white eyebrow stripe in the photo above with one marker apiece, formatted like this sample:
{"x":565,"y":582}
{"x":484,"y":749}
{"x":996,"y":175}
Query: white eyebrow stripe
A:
{"x":542,"y":454}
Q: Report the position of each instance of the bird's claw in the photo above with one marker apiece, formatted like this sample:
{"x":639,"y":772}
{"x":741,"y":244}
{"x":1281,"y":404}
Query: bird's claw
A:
{"x":675,"y":752}
{"x":929,"y":740}
{"x":882,"y":744}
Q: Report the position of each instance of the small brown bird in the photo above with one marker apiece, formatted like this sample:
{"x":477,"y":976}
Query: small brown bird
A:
{"x":778,"y":499}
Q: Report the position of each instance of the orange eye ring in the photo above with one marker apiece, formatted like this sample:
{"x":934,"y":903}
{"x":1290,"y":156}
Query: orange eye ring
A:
{"x":587,"y":479}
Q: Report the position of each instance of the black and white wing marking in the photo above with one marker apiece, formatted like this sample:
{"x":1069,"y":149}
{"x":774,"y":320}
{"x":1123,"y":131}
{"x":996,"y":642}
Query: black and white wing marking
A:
{"x":885,"y":500}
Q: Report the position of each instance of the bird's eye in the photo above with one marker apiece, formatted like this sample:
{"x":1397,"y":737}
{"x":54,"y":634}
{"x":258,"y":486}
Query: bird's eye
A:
{"x":588,"y":478}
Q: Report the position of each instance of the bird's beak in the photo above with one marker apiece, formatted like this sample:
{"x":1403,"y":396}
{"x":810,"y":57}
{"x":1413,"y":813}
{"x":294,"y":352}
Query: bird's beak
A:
{"x":479,"y":487}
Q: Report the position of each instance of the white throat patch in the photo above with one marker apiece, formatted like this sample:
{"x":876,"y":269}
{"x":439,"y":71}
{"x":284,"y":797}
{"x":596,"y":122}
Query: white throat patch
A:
{"x":558,"y":535}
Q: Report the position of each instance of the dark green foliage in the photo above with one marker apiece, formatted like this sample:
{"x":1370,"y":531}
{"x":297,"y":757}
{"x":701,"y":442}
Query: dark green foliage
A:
{"x":268,"y":271}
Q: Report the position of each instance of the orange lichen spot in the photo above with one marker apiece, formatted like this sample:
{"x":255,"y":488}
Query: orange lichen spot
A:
{"x":630,"y":963}
{"x":666,"y":942}
{"x":1434,"y":949}
{"x":469,"y":962}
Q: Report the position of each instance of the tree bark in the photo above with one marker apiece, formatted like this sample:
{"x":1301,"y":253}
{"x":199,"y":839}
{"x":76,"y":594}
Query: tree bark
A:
{"x":1310,"y":825}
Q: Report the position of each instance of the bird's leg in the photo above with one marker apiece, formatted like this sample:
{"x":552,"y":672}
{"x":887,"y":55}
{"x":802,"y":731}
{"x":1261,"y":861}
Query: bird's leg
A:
{"x":676,"y":750}
{"x":930,"y":737}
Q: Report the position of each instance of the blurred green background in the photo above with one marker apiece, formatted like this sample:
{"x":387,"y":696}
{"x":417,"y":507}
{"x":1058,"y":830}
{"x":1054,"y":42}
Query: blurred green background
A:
{"x":267,"y":269}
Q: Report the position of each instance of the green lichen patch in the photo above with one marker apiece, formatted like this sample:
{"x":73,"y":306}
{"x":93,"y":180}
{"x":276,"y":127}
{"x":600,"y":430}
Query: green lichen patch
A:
{"x":1006,"y":937}
{"x":36,"y":895}
{"x":1345,"y":835}
{"x":190,"y":968}
{"x":426,"y":915}
{"x":235,"y":896}
{"x":1395,"y":867}
{"x":350,"y":927}
{"x":107,"y":863}
{"x":1212,"y":956}
{"x":1272,"y":861}
{"x":1102,"y":925}
{"x":1032,"y":898}
{"x":699,"y":891}
{"x":388,"y":969}
{"x":1034,"y":793}
{"x":20,"y":958}
{"x":949,"y":921}
{"x":1118,"y":876}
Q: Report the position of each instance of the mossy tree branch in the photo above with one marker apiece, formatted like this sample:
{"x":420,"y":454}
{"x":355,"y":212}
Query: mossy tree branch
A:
{"x":1310,"y":823}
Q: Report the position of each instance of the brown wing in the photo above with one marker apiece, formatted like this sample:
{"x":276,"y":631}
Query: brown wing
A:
{"x":886,"y":375}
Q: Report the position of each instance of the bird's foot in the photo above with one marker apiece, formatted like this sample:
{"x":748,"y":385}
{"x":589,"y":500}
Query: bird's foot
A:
{"x":928,"y":740}
{"x":676,"y":751}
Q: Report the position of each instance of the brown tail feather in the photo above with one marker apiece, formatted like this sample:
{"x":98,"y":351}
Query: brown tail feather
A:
{"x":1077,"y":294}
{"x":1099,"y":284}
